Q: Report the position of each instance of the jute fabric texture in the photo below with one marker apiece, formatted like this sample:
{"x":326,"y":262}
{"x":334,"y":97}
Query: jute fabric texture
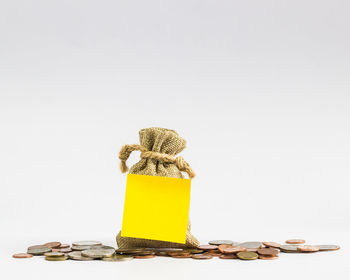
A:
{"x":158,"y":147}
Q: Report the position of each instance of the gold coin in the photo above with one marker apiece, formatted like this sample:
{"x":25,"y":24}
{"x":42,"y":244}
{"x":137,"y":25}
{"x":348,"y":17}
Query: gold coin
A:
{"x":56,"y":258}
{"x":247,"y":255}
{"x":54,"y":254}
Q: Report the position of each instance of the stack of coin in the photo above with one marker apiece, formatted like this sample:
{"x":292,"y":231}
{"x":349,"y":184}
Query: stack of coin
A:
{"x":54,"y":246}
{"x":268,"y":253}
{"x":76,"y":255}
{"x":98,"y":253}
{"x":224,"y":249}
{"x":137,"y":253}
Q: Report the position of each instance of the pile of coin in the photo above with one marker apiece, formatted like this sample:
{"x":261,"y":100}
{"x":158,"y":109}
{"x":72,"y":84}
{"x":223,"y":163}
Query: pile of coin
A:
{"x":223,"y":249}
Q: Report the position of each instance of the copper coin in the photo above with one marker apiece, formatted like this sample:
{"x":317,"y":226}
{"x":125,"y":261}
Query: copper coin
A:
{"x":56,"y":250}
{"x":54,"y":244}
{"x":262,"y":257}
{"x":247,"y":255}
{"x":222,"y":247}
{"x":295,"y":241}
{"x":182,"y":256}
{"x":22,"y":256}
{"x":179,"y":254}
{"x":232,"y":250}
{"x":144,"y":256}
{"x":207,"y":247}
{"x":142,"y":253}
{"x":202,"y":257}
{"x":272,"y":244}
{"x":214,"y":253}
{"x":251,"y":245}
{"x":64,"y":246}
{"x":328,"y":247}
{"x":308,"y":248}
{"x":228,"y":256}
{"x":36,"y":247}
{"x":193,"y":251}
{"x":268,"y":252}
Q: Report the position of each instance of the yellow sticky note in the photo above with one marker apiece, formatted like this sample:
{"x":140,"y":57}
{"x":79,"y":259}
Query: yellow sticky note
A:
{"x":156,"y":208}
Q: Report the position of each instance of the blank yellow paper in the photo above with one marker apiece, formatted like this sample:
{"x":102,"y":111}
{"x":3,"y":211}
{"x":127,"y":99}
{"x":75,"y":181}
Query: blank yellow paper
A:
{"x":156,"y":208}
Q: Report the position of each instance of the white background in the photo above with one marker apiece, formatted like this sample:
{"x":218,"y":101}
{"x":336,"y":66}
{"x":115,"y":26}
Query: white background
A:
{"x":259,"y":89}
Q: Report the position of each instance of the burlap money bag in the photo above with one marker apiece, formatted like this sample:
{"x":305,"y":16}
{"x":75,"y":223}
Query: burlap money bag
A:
{"x":158,"y":149}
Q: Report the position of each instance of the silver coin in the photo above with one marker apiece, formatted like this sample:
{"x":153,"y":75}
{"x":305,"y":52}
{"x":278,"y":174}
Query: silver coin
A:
{"x":98,"y":253}
{"x":39,"y":251}
{"x":86,"y":243}
{"x":65,"y":250}
{"x":102,"y":247}
{"x":76,"y":255}
{"x":251,"y":245}
{"x":80,"y":248}
{"x":328,"y":247}
{"x":220,"y":242}
{"x":289,"y":248}
{"x":117,"y":258}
